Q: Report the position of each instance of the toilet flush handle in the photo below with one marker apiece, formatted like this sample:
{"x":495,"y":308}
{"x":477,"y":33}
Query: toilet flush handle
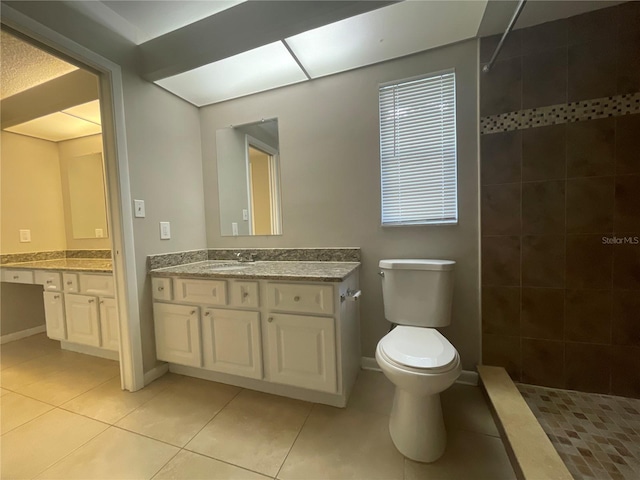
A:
{"x":381,"y":273}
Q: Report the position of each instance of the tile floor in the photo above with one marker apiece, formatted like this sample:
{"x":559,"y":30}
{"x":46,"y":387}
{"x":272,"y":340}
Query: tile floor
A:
{"x":597,"y":436}
{"x":64,"y":416}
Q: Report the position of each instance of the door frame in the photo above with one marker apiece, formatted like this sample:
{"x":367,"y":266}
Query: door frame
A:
{"x":120,"y":217}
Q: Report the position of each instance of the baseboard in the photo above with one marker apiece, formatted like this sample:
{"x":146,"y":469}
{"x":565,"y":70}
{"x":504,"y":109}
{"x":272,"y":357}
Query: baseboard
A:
{"x":89,"y":350}
{"x":12,"y":337}
{"x":155,"y":373}
{"x":467,"y":377}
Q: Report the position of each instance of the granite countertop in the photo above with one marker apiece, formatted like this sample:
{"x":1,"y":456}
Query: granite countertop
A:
{"x":310,"y":271}
{"x":99,"y":265}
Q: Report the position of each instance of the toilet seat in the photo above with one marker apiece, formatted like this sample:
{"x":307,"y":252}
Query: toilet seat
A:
{"x":417,"y":348}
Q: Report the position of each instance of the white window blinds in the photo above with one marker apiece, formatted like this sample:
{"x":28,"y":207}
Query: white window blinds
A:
{"x":418,"y":151}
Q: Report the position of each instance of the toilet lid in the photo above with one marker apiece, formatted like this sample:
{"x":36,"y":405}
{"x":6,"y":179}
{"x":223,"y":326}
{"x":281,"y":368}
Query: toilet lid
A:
{"x":418,"y":347}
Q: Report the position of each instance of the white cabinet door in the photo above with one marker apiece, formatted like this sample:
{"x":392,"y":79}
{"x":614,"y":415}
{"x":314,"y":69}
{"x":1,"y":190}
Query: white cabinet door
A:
{"x":54,"y":315}
{"x":83,"y":324}
{"x":302,"y":351}
{"x":178,"y":334}
{"x":109,"y":324}
{"x":231,"y":342}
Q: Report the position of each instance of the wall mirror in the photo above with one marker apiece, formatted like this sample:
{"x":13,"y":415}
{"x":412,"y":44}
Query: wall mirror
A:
{"x":248,"y":159}
{"x":87,"y":202}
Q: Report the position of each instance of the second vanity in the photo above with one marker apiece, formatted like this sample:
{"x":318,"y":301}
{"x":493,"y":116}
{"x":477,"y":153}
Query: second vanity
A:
{"x":289,"y":328}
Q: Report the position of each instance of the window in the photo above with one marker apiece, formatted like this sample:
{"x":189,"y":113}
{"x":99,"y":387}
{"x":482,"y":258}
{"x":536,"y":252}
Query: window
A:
{"x":418,"y":151}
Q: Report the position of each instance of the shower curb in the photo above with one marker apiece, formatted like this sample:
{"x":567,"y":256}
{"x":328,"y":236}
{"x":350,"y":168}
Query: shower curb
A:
{"x":531,"y":453}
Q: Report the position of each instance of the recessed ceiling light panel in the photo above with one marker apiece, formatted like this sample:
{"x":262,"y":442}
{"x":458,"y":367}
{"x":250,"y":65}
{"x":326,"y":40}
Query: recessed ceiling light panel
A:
{"x":56,"y":127}
{"x":89,"y":111}
{"x":257,"y":70}
{"x":394,"y":31}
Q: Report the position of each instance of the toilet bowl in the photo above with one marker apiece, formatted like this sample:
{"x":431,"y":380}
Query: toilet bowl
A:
{"x":421,"y":363}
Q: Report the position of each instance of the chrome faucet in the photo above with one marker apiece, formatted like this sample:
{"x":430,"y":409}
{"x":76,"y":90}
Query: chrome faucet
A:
{"x":244,"y":256}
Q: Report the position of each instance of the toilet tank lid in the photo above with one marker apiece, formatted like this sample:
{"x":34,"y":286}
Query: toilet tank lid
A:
{"x":417,"y":264}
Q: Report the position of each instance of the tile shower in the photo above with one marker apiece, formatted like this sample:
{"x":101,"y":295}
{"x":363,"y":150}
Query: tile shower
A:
{"x":560,"y":201}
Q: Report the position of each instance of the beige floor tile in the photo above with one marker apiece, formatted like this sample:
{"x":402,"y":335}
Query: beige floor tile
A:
{"x":373,"y":392}
{"x":20,"y":351}
{"x":33,"y":370}
{"x":65,"y":385}
{"x":16,"y":410}
{"x":343,"y":444}
{"x":176,"y":414}
{"x":109,"y":403}
{"x":31,"y":448}
{"x":191,"y":466}
{"x":114,"y":454}
{"x":468,"y":456}
{"x":465,"y":408}
{"x":254,"y":431}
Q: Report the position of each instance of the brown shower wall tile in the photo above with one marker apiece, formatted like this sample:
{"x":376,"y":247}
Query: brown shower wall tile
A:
{"x":588,"y":367}
{"x":542,"y":313}
{"x":543,"y":207}
{"x":501,"y":310}
{"x":543,"y":153}
{"x":589,"y":262}
{"x":591,"y":148}
{"x":588,"y":316}
{"x":560,"y":204}
{"x":543,"y":261}
{"x":501,"y":155}
{"x":503,"y":351}
{"x":543,"y":362}
{"x":589,"y":206}
{"x":501,"y":209}
{"x":501,"y":261}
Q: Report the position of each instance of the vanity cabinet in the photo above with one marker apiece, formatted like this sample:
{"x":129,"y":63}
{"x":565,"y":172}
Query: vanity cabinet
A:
{"x":302,"y":351}
{"x":296,"y":338}
{"x":178,"y":333}
{"x":54,"y":315}
{"x":83,"y":321}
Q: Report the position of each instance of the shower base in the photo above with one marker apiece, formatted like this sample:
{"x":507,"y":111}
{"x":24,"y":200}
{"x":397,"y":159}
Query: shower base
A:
{"x":597,"y":436}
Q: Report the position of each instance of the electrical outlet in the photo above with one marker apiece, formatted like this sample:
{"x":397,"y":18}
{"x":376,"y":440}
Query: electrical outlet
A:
{"x":25,"y":236}
{"x":245,"y":214}
{"x":99,"y":233}
{"x":234,"y":228}
{"x":165,"y":230}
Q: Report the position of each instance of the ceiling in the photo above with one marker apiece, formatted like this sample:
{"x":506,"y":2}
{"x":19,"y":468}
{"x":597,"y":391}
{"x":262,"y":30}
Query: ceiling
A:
{"x":211,"y":51}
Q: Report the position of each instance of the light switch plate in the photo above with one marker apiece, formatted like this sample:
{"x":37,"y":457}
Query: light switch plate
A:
{"x":99,"y":233}
{"x":234,"y":228}
{"x":165,"y":230}
{"x":138,"y":208}
{"x":25,"y":236}
{"x":245,"y":214}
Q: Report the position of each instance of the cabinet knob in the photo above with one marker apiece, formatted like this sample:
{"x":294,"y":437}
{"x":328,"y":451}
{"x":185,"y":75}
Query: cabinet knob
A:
{"x":91,"y":300}
{"x":101,"y":302}
{"x":270,"y":319}
{"x":56,"y":297}
{"x":160,"y":289}
{"x":296,"y":298}
{"x":49,"y":282}
{"x":193,"y":312}
{"x":245,"y":294}
{"x":69,"y":282}
{"x":15,"y":277}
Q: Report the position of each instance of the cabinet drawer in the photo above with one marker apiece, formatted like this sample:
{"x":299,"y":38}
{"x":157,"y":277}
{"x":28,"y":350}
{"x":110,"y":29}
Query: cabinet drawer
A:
{"x":52,"y":281}
{"x":17,"y":276}
{"x":208,"y":292}
{"x":161,"y":288}
{"x":244,"y":294}
{"x":70,"y":282}
{"x":101,"y":285}
{"x":301,"y":298}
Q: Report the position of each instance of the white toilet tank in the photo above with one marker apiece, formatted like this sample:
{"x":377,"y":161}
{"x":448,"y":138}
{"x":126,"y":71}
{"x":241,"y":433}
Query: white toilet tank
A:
{"x":417,"y":292}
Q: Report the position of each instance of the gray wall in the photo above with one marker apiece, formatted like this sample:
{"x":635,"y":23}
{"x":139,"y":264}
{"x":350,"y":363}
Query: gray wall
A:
{"x":163,"y":143}
{"x":329,"y":147}
{"x":21,"y":307}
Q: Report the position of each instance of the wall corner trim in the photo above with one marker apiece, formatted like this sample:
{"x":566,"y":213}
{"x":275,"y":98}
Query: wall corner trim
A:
{"x":155,"y":373}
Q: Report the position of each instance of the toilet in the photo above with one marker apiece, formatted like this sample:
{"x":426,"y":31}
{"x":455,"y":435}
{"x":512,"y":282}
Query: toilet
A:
{"x":416,"y":357}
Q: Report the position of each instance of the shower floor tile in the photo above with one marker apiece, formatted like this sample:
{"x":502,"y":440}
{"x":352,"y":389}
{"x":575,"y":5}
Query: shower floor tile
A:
{"x":597,"y":436}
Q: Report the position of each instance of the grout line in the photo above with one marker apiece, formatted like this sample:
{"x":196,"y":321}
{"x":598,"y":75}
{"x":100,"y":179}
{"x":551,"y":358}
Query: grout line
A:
{"x":295,"y":439}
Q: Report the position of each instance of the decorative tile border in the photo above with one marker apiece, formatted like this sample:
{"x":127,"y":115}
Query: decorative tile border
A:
{"x":290,"y":254}
{"x":176,"y":258}
{"x":561,"y":113}
{"x":88,"y":253}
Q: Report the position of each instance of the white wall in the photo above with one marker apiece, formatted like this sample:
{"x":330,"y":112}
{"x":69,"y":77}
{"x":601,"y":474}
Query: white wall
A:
{"x":31,"y":195}
{"x":329,"y":154}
